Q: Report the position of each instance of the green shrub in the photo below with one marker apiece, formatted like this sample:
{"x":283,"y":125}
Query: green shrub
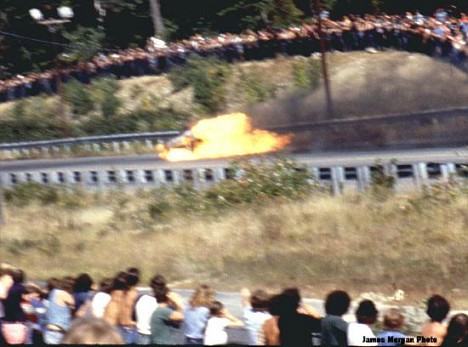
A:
{"x":438,"y":195}
{"x":382,"y":183}
{"x":263,"y":180}
{"x":207,"y":77}
{"x":25,"y":193}
{"x":306,"y":74}
{"x":256,"y":89}
{"x":104,"y":94}
{"x":259,"y":181}
{"x":78,"y":96}
{"x":31,"y":119}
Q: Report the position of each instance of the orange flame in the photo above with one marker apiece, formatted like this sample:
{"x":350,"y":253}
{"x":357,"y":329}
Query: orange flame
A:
{"x":224,"y":136}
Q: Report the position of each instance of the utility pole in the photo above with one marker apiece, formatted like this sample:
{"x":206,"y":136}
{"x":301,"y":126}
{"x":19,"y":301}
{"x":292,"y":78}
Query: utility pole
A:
{"x":317,"y":8}
{"x":2,"y":217}
{"x":156,"y":16}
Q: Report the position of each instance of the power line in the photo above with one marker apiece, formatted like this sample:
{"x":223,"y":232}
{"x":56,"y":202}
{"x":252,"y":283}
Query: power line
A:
{"x":33,"y":39}
{"x":21,"y":37}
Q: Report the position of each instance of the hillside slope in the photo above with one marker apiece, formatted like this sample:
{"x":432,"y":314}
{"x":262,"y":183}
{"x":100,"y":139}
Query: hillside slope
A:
{"x":361,"y":83}
{"x":374,"y":84}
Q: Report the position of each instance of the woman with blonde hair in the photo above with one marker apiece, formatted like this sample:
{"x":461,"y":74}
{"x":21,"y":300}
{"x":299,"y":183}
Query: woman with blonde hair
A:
{"x":197,"y":314}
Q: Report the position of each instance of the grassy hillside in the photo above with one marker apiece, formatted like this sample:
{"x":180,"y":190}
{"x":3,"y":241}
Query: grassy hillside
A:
{"x":357,"y":242}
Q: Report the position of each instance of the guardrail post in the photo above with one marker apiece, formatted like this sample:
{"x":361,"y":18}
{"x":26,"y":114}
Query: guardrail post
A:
{"x":96,"y":147}
{"x":159,"y":177}
{"x":420,"y":174}
{"x":444,"y":170}
{"x":149,"y":144}
{"x":25,"y":151}
{"x":177,"y":174}
{"x":68,"y":175}
{"x":126,"y":145}
{"x":139,"y":176}
{"x":121,"y":176}
{"x":452,"y":170}
{"x":219,"y":174}
{"x":315,"y":173}
{"x":363,"y":178}
{"x":116,"y":146}
{"x":336,"y":183}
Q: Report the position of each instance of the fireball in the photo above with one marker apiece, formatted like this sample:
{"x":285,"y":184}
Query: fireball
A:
{"x":224,"y":136}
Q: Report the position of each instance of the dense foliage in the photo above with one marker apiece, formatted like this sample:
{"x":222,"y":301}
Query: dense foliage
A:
{"x":207,"y":77}
{"x":93,"y":109}
{"x":251,"y":182}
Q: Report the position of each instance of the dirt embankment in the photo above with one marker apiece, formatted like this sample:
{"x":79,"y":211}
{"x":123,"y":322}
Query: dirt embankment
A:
{"x":365,"y":84}
{"x":373,"y":84}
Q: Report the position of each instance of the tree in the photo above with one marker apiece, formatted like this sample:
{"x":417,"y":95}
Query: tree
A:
{"x":84,"y":44}
{"x":156,"y":16}
{"x":253,"y":14}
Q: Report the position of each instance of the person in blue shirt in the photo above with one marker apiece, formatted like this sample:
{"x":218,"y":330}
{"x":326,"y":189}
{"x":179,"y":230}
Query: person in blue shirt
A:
{"x":392,"y":321}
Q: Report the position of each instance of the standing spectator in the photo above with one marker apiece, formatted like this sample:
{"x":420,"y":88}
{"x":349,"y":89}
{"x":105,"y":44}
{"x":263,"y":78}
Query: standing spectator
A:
{"x":220,"y":318}
{"x":102,"y":298}
{"x":392,"y":323}
{"x":437,"y":310}
{"x":270,"y":332}
{"x":196,"y":315}
{"x":296,"y":322}
{"x":366,"y":314}
{"x":6,"y":281}
{"x":119,"y":311}
{"x":59,"y":311}
{"x":82,"y":290}
{"x":255,"y":312}
{"x":334,"y":328}
{"x":14,"y":327}
{"x":144,"y":308}
{"x":168,"y":314}
{"x":457,"y":331}
{"x":127,"y":324}
{"x":33,"y":306}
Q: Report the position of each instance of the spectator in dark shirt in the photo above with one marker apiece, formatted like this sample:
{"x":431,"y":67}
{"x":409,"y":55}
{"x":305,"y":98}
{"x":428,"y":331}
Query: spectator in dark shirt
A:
{"x":82,"y":290}
{"x":14,"y":322}
{"x":295,"y":328}
{"x":457,"y":331}
{"x":333,"y":326}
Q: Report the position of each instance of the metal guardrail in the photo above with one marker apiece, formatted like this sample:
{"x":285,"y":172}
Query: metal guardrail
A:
{"x":339,"y":178}
{"x":163,"y":135}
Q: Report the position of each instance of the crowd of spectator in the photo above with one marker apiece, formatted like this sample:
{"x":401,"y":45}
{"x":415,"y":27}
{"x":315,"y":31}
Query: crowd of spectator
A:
{"x":73,"y":310}
{"x":439,"y":35}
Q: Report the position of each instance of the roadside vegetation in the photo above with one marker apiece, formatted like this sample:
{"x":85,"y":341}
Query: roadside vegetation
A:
{"x":201,"y":88}
{"x":275,"y":226}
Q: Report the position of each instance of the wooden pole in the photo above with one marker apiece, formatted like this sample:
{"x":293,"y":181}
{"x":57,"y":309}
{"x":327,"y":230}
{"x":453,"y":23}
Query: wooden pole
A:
{"x":317,"y":9}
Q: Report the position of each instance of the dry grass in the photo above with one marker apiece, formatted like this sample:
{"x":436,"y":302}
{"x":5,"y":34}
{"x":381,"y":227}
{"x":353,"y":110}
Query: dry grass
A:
{"x":352,"y":242}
